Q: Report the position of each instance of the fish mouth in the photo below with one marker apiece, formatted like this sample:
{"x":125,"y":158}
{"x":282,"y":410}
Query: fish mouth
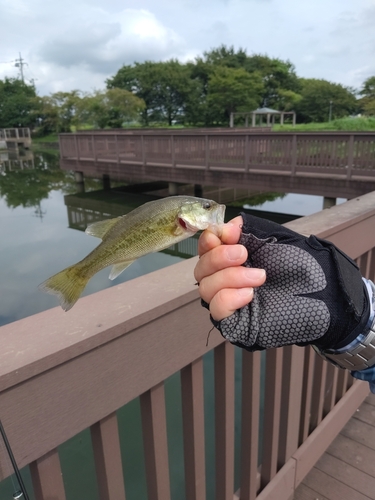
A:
{"x":185,"y":225}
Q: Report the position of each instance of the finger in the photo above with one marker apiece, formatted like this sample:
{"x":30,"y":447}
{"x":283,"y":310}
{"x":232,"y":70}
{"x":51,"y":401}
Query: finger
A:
{"x":218,"y":258}
{"x":207,"y":241}
{"x":232,"y":277}
{"x":228,"y":300}
{"x":232,"y":231}
{"x":230,"y":235}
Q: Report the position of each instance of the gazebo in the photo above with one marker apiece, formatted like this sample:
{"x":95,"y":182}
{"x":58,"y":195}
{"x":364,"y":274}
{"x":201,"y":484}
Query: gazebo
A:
{"x":269,"y":113}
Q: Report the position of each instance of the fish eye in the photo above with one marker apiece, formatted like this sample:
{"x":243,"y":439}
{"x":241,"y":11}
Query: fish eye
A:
{"x":206,"y":205}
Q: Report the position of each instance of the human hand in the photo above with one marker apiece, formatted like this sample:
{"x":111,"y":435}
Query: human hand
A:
{"x":313,"y":293}
{"x":224,"y":283}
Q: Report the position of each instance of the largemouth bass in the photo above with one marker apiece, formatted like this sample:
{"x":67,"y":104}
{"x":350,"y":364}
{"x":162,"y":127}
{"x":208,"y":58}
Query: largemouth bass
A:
{"x":149,"y":228}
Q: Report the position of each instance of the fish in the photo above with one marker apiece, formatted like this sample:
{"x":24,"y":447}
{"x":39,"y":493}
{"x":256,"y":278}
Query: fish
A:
{"x":152,"y":227}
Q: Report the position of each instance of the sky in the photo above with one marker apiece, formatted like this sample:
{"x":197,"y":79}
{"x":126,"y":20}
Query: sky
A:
{"x":72,"y":44}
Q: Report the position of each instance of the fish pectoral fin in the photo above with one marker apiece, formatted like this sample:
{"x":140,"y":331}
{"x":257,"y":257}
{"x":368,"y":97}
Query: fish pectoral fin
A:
{"x":119,"y":268}
{"x":101,"y":228}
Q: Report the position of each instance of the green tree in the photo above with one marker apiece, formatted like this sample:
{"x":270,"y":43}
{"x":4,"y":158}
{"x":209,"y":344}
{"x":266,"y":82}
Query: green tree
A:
{"x":58,"y":112}
{"x":368,"y":89}
{"x":278,"y":76}
{"x":16,"y":103}
{"x":166,"y":88}
{"x":231,"y":90}
{"x":109,"y":108}
{"x":288,"y":100}
{"x":318,"y":96}
{"x":367,"y":101}
{"x":226,"y":56}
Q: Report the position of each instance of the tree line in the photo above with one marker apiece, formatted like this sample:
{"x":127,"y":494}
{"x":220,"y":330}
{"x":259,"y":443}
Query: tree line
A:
{"x":199,"y":93}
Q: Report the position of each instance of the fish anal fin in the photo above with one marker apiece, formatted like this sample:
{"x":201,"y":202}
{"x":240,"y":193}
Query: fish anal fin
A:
{"x":101,"y":228}
{"x":118,"y":269}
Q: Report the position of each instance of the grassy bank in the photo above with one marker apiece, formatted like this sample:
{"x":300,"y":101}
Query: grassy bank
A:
{"x":360,"y":124}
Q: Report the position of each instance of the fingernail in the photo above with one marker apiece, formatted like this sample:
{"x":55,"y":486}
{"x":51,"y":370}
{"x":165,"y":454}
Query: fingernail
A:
{"x":255,"y":273}
{"x":235,"y":252}
{"x":246,"y":293}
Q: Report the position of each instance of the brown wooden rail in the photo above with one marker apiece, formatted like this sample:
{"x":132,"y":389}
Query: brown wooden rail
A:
{"x":329,"y":164}
{"x":61,"y":373}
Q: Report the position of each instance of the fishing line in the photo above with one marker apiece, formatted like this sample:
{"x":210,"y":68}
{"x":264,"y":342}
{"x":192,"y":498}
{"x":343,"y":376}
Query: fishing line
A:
{"x":17,"y":494}
{"x":208,"y":336}
{"x":8,"y":470}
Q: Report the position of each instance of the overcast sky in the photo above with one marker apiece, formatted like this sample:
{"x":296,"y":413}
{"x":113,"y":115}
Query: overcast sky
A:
{"x":72,"y":44}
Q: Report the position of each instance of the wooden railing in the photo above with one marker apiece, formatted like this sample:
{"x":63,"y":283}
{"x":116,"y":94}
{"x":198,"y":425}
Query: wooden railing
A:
{"x":347,"y":154}
{"x":61,"y":373}
{"x":325,"y":164}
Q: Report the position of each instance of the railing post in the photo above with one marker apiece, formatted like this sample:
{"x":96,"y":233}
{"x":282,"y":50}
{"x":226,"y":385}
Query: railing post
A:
{"x":350,"y":157}
{"x":207,"y":153}
{"x":107,"y":456}
{"x":272,"y":404}
{"x":247,"y":153}
{"x":117,"y":149}
{"x":47,"y":477}
{"x":76,"y":146}
{"x":155,"y":443}
{"x":291,"y":397}
{"x":172,"y":151}
{"x":193,"y":425}
{"x":143,"y":150}
{"x":294,"y":155}
{"x":251,"y":369}
{"x":93,"y":147}
{"x":224,"y":420}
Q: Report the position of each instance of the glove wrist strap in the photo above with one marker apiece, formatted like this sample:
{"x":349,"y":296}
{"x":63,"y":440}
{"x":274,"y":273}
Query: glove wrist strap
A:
{"x":360,"y":354}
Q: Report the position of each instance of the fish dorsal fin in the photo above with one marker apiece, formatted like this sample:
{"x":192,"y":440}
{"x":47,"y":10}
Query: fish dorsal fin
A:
{"x":99,"y":229}
{"x":118,"y":268}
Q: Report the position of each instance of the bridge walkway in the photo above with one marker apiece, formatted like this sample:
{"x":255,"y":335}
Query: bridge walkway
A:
{"x":346,"y":471}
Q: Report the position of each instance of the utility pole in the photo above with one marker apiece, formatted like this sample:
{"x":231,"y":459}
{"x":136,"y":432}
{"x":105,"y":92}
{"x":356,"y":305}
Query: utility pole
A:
{"x":330,"y":111}
{"x":20,"y":63}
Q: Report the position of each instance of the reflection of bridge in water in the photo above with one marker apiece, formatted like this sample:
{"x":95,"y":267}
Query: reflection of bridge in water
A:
{"x":13,"y":160}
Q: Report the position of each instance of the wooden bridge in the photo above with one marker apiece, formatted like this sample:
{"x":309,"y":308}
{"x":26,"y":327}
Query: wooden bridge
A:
{"x":62,"y":373}
{"x":340,"y":164}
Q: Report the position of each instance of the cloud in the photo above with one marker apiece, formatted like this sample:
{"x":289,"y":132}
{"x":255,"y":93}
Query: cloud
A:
{"x":77,"y":44}
{"x":132,"y":35}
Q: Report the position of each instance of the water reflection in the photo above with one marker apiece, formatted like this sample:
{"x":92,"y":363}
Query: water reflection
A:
{"x":16,"y":160}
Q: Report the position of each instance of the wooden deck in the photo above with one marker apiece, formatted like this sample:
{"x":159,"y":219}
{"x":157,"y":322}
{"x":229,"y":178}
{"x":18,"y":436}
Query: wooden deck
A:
{"x":347,"y":470}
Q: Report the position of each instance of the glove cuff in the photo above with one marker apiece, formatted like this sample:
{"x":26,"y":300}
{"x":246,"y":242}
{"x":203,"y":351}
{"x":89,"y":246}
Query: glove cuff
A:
{"x":360,"y":353}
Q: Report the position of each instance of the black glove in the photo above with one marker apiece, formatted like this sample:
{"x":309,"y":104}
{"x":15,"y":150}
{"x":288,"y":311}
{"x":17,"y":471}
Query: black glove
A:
{"x":313,"y":294}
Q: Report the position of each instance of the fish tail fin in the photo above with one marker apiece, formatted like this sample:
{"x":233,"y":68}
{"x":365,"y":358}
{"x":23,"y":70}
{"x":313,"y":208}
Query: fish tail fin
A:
{"x":67,"y":285}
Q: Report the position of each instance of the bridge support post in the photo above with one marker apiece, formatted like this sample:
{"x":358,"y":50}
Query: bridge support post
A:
{"x":328,"y":202}
{"x":172,"y":188}
{"x":106,"y":182}
{"x":80,"y":182}
{"x":198,"y":190}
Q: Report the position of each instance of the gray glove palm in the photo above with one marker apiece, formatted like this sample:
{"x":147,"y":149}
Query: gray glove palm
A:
{"x":313,"y":293}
